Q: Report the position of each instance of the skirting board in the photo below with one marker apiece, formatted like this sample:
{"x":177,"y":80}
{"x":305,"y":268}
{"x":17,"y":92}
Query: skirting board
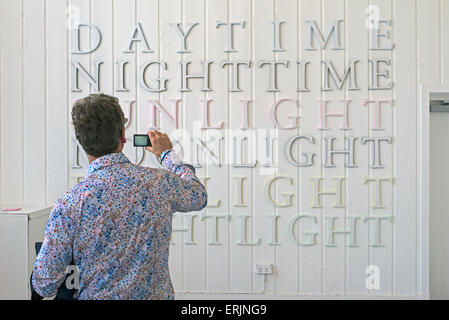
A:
{"x":240,"y":296}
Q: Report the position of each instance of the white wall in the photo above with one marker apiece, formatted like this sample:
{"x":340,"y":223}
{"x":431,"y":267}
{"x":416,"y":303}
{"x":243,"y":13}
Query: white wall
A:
{"x":36,"y":159}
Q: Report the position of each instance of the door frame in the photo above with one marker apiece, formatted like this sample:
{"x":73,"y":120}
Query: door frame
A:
{"x":423,"y":257}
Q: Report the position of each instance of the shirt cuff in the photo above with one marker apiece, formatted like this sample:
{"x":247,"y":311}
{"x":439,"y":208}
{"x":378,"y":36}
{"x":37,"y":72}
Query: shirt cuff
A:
{"x":164,"y":153}
{"x":170,"y":159}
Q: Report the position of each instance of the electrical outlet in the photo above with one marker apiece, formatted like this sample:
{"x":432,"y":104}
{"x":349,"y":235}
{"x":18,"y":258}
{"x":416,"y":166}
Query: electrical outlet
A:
{"x":264,"y":268}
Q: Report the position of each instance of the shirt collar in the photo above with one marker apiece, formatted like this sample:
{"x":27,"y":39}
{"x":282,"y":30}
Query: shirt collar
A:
{"x":107,"y":160}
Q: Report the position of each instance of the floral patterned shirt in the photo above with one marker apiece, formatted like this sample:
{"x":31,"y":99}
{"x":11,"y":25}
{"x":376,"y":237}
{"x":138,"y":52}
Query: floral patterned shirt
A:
{"x":116,"y":224}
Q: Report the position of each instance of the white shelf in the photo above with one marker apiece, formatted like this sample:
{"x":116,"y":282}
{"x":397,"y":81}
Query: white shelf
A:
{"x":33,"y":211}
{"x":19,"y":230}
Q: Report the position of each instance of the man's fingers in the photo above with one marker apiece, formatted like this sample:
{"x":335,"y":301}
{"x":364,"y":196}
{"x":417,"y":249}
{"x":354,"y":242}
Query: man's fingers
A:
{"x":156,"y":133}
{"x":151,"y":133}
{"x":160,"y":142}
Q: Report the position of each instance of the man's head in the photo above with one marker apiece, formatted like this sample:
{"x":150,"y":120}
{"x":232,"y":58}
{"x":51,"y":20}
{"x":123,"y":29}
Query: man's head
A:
{"x":99,"y":124}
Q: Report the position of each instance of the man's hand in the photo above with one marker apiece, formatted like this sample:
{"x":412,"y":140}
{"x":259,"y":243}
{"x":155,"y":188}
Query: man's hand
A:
{"x":159,"y":142}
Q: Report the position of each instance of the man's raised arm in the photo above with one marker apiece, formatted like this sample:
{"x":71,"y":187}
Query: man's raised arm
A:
{"x":186,"y":191}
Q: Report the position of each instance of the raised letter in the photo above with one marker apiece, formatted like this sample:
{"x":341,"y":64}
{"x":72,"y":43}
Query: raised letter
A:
{"x":183,"y":35}
{"x":210,"y":204}
{"x":205,"y":114}
{"x":120,"y":82}
{"x":329,"y":152}
{"x":375,"y":238}
{"x":376,"y":35}
{"x":344,"y":114}
{"x":234,"y":65}
{"x":318,"y":193}
{"x":229,"y":33}
{"x":302,"y":79}
{"x":375,"y":147}
{"x":307,"y":155}
{"x":329,"y":70}
{"x":242,"y":241}
{"x":138,"y":35}
{"x":377,"y":190}
{"x":277,"y":36}
{"x":213,"y":234}
{"x":173,"y":119}
{"x":310,"y":235}
{"x":161,"y":81}
{"x":240,"y":199}
{"x":245,"y":109}
{"x":238,"y":150}
{"x":273,"y":73}
{"x":288,"y":196}
{"x":188,"y":228}
{"x":313,"y":29}
{"x":92,"y":79}
{"x":95,"y":41}
{"x":272,"y":220}
{"x":376,"y":111}
{"x":375,"y":74}
{"x":294,"y":118}
{"x":331,"y":232}
{"x":185,"y":76}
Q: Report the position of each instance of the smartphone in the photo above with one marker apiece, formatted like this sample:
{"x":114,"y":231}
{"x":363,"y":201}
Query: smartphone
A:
{"x":142,"y":140}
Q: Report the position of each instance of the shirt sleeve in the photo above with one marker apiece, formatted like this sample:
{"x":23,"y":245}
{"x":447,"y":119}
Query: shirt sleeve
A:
{"x":188,"y":193}
{"x":55,"y":254}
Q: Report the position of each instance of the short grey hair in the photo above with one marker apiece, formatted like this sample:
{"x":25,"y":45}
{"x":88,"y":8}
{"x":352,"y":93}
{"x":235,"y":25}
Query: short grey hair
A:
{"x":98,"y":120}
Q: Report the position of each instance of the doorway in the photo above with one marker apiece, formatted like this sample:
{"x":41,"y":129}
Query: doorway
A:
{"x":439,"y":195}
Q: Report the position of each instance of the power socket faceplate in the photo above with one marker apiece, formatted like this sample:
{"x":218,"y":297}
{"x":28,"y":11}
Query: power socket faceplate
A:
{"x":264,"y":268}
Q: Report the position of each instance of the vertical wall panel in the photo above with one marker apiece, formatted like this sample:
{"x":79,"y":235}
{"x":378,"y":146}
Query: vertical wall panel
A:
{"x":11,"y":136}
{"x":81,"y":9}
{"x":311,"y":263}
{"x":57,"y":99}
{"x":429,"y":73}
{"x":102,"y":17}
{"x":1,"y":109}
{"x":147,"y":13}
{"x":263,"y":13}
{"x":287,"y":258}
{"x":334,"y":257}
{"x":124,"y":21}
{"x":381,"y":256}
{"x":196,"y":256}
{"x":218,"y":259}
{"x":34,"y":82}
{"x":428,"y":32}
{"x":240,"y":256}
{"x":444,"y":40}
{"x":357,"y":193}
{"x":405,"y":208}
{"x":171,"y":12}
